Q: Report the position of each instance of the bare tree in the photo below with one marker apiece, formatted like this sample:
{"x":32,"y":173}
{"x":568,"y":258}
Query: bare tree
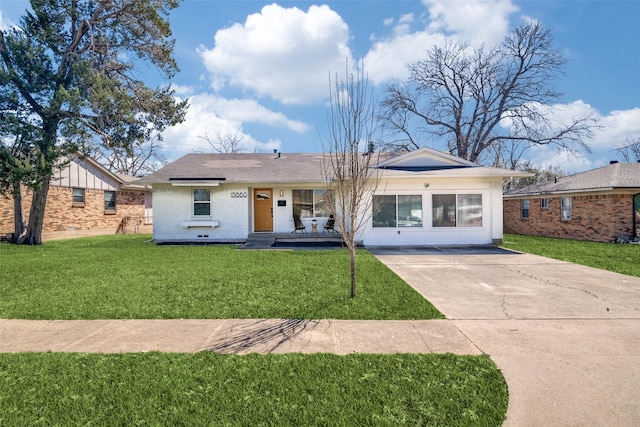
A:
{"x":226,"y":143}
{"x":630,"y":152}
{"x":136,"y":159}
{"x":540,"y":175}
{"x":353,"y":127}
{"x":465,"y":96}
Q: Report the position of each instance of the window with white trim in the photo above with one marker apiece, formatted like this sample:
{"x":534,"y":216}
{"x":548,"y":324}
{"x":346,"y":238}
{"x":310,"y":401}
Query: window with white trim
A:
{"x":399,"y":210}
{"x":78,"y":196}
{"x":524,"y":208}
{"x":201,"y":202}
{"x":311,"y":203}
{"x":457,"y":210}
{"x":544,"y":203}
{"x":566,"y":209}
{"x":110,"y":201}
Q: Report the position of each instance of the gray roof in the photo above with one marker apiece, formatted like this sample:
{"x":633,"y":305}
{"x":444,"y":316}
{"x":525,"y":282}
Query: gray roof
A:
{"x":241,"y":167}
{"x":287,"y":168}
{"x":606,"y":178}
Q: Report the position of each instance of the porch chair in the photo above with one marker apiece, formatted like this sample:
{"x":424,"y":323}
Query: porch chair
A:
{"x":329,"y":226}
{"x":297,"y":222}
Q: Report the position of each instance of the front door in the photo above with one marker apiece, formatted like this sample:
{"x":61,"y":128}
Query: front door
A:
{"x":262,"y":209}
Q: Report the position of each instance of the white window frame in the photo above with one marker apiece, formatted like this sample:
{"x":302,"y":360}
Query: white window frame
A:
{"x":566,"y":208}
{"x":195,"y":202}
{"x":397,"y":208}
{"x":109,"y":209}
{"x":80,"y":191}
{"x":458,"y":211}
{"x":524,"y":208}
{"x":315,"y":212}
{"x":544,"y":203}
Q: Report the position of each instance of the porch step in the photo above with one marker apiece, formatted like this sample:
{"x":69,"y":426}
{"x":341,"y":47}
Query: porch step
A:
{"x":291,"y":240}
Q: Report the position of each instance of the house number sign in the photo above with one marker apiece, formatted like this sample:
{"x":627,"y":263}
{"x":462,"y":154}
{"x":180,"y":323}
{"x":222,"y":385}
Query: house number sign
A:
{"x":238,"y":194}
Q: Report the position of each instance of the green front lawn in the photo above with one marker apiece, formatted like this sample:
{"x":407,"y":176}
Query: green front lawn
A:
{"x":269,"y":390}
{"x":619,"y":258}
{"x":126,"y":277}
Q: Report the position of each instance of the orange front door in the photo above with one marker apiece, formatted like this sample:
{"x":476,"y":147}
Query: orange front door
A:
{"x":262,"y":209}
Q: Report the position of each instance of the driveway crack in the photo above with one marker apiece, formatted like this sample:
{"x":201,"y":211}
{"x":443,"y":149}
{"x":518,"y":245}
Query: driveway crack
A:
{"x":562,"y":286}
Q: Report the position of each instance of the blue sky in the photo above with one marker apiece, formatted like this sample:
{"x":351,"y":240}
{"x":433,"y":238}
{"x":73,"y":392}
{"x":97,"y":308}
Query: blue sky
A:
{"x":260,"y":70}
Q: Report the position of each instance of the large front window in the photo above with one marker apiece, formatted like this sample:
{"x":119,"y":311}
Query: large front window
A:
{"x":201,"y":202}
{"x":311,"y":204}
{"x":457,"y":210}
{"x":397,"y":211}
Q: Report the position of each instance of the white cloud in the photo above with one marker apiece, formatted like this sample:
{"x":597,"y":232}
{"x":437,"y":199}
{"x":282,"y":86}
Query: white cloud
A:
{"x":5,"y":23}
{"x":182,"y":90}
{"x":544,"y":156}
{"x":210,"y":115}
{"x":617,"y":127}
{"x":285,"y":54}
{"x":388,"y":59}
{"x":404,"y":24}
{"x":477,"y":21}
{"x":614,"y":130}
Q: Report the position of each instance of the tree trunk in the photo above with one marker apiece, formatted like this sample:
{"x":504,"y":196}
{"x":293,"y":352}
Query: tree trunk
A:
{"x":36,"y":216}
{"x":352,"y":253}
{"x":18,"y":219}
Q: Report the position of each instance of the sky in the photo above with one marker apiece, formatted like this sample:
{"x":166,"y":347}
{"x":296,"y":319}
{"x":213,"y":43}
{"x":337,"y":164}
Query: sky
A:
{"x":260,"y":71}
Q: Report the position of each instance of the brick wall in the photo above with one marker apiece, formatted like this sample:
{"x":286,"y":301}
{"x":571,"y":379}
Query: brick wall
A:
{"x":62,"y":215}
{"x":600,"y":218}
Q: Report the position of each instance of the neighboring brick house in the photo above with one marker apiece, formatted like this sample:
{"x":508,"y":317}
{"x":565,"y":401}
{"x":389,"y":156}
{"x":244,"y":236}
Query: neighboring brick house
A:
{"x":600,"y":205}
{"x":85,"y":196}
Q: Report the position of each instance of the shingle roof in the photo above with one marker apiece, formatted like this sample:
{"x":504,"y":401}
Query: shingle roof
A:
{"x":285,"y":168}
{"x":615,"y":176}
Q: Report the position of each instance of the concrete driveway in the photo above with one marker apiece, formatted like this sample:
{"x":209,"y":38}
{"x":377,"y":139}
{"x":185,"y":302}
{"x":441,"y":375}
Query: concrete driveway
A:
{"x":566,"y":337}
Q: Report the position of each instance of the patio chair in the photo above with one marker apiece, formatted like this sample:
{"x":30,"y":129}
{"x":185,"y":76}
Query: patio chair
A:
{"x":329,"y":226}
{"x":299,"y":226}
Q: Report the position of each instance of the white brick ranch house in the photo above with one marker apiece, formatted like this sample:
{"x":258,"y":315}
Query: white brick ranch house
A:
{"x":424,"y":197}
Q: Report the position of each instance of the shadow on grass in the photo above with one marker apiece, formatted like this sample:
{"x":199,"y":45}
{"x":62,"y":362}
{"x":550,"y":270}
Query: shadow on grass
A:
{"x":261,"y":336}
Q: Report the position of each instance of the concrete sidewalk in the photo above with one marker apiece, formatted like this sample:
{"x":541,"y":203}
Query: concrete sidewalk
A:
{"x":236,"y":336}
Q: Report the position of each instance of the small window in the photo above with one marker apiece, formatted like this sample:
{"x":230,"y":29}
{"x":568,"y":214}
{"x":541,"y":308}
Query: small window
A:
{"x":566,"y":209}
{"x":109,"y":201}
{"x":524,"y":208}
{"x":544,"y":203}
{"x":78,"y":196}
{"x":201,"y":202}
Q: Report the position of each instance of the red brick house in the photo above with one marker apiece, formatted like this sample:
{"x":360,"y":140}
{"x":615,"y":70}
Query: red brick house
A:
{"x":85,"y":198}
{"x":600,"y":205}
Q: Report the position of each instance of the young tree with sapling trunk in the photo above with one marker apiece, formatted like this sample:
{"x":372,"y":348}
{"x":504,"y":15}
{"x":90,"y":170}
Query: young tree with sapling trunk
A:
{"x":348,"y":166}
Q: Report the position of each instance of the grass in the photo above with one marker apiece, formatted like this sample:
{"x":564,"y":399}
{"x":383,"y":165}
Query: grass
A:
{"x":269,"y":390}
{"x":122,"y":277}
{"x":624,"y":259}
